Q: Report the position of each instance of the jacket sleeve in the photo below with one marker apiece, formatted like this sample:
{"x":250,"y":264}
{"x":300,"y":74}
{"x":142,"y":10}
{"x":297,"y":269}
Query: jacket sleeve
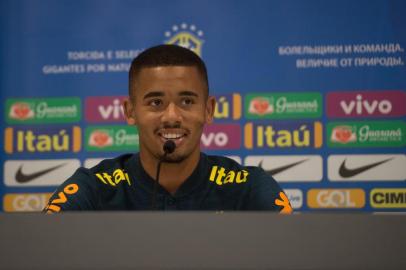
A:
{"x":78,"y":192}
{"x":266,"y":194}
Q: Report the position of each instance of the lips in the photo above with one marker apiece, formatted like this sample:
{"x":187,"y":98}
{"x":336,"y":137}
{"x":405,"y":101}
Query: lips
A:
{"x":176,"y":135}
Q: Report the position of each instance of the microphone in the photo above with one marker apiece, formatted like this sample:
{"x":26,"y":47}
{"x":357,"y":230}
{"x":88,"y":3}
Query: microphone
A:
{"x":169,"y":147}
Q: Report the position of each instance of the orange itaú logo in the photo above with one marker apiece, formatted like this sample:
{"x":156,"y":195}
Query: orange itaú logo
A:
{"x":284,"y":202}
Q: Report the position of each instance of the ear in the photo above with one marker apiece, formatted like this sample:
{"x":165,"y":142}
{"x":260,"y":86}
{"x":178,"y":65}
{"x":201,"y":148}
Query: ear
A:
{"x":129,"y":111}
{"x":210,"y":107}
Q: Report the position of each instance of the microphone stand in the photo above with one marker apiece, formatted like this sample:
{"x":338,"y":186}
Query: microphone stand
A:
{"x":169,"y":147}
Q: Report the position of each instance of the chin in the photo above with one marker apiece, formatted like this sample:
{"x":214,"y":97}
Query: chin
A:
{"x":174,"y":158}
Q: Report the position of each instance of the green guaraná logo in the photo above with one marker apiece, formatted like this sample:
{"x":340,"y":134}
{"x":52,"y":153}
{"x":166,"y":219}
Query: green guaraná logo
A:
{"x":111,"y":138}
{"x":43,"y":110}
{"x":283,"y":105}
{"x":366,"y":134}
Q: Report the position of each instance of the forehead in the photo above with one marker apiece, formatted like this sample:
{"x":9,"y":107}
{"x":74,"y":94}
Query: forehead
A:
{"x":168,"y":79}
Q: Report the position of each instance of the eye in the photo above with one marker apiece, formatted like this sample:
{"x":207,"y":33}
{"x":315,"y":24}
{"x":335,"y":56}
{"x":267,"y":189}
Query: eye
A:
{"x":188,"y":101}
{"x":155,"y":102}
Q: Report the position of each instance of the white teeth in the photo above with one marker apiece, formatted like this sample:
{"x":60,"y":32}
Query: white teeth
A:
{"x":172,"y":136}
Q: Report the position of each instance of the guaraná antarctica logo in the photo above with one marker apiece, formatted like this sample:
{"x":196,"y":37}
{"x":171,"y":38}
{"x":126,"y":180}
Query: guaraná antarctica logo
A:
{"x":283,"y":105}
{"x":187,"y":36}
{"x":367,"y":134}
{"x":111,"y":138}
{"x":43,"y":110}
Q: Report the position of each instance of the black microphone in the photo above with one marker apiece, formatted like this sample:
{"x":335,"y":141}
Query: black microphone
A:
{"x":169,"y":147}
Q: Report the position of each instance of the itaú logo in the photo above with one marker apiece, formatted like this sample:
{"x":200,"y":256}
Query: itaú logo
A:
{"x":228,"y":107}
{"x":283,"y":135}
{"x":336,"y":198}
{"x":218,"y":136}
{"x":42,"y":139}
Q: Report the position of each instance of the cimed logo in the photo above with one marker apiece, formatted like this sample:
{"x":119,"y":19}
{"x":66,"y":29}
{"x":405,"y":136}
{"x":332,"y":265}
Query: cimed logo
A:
{"x":187,"y":36}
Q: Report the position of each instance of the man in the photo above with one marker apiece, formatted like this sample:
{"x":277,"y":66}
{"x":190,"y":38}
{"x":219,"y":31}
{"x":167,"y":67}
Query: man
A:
{"x":169,"y":101}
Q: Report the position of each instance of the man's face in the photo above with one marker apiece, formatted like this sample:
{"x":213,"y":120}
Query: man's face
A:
{"x":169,"y":102}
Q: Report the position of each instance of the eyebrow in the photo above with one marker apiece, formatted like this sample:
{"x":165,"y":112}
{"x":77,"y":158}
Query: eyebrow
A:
{"x":154,"y":94}
{"x":161,"y":94}
{"x":188,"y":93}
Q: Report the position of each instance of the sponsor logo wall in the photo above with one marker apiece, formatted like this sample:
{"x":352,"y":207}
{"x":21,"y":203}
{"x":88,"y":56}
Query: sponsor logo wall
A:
{"x":326,"y":130}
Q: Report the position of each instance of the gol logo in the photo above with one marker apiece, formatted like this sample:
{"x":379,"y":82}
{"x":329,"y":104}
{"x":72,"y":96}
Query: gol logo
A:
{"x":336,"y":198}
{"x":187,"y":36}
{"x":388,"y":198}
{"x":25,"y":202}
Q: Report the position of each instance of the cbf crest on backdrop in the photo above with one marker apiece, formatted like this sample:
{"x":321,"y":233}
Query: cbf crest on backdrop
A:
{"x":312,"y":92}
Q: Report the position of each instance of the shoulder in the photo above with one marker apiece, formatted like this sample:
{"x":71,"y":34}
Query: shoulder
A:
{"x":262,"y":191}
{"x":111,"y":163}
{"x":105,"y":172}
{"x":83,"y":189}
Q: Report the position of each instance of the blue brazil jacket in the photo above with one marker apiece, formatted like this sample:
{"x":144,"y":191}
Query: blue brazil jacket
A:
{"x":217,"y":184}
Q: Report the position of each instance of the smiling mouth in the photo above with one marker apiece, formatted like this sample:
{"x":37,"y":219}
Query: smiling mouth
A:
{"x":172,"y":136}
{"x":176,"y":135}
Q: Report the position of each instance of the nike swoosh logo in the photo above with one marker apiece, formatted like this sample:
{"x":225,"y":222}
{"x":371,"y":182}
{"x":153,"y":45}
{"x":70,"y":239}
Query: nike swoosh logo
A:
{"x":346,"y":172}
{"x":282,"y":168}
{"x":24,"y":178}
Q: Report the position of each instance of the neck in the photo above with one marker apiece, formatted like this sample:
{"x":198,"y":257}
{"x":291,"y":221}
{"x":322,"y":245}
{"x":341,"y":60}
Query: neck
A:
{"x":172,"y":175}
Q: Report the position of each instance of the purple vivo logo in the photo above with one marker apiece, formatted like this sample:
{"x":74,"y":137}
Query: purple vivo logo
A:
{"x":366,"y":104}
{"x":104,"y":109}
{"x":220,"y":137}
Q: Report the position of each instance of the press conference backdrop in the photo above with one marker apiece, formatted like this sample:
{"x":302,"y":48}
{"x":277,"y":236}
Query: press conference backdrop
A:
{"x":314,"y":92}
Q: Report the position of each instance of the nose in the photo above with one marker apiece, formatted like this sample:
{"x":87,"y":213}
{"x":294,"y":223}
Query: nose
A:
{"x":171,"y":115}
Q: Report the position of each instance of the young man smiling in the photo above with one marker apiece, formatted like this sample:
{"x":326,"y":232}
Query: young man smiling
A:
{"x":169,"y":101}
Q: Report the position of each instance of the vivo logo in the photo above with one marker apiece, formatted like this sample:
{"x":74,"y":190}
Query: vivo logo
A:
{"x":295,"y":197}
{"x":105,"y":109}
{"x":360,"y":106}
{"x":114,"y":110}
{"x":366,"y":104}
{"x":217,"y":137}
